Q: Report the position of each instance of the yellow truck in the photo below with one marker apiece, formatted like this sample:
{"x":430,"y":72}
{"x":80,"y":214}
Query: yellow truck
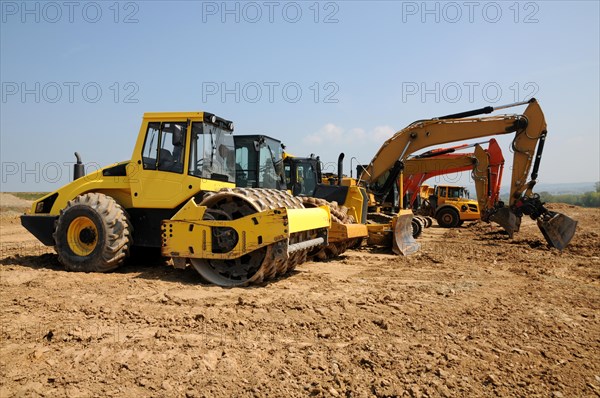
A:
{"x":449,"y":205}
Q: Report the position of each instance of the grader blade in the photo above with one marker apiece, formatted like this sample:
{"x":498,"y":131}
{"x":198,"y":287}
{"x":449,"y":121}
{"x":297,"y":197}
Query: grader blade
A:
{"x":403,"y":241}
{"x":557,"y":228}
{"x":507,"y":220}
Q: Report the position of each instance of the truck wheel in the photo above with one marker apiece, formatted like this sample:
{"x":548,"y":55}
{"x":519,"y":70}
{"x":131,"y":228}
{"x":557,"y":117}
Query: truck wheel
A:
{"x":417,"y":227}
{"x":448,"y":218}
{"x":92,"y":234}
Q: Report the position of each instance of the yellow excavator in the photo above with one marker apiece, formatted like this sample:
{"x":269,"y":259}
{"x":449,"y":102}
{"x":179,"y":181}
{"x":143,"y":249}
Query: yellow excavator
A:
{"x":449,"y":209}
{"x":178,"y":193}
{"x":529,"y":129}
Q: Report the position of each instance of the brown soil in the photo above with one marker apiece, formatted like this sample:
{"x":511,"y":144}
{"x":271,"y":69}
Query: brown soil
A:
{"x":472,"y":314}
{"x":11,"y":205}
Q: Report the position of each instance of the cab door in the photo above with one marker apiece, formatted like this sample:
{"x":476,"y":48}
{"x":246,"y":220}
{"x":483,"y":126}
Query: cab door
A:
{"x":160,"y":177}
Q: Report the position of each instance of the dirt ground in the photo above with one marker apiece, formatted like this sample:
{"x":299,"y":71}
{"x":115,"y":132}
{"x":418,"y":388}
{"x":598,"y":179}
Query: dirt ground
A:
{"x":472,"y":314}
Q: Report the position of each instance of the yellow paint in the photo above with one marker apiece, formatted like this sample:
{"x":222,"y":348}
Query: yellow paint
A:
{"x":341,"y":232}
{"x":307,"y":219}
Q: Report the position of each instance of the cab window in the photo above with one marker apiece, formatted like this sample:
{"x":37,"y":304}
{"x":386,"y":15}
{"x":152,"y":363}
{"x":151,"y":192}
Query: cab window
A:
{"x":245,"y":175}
{"x":164,"y":147}
{"x":212,"y":153}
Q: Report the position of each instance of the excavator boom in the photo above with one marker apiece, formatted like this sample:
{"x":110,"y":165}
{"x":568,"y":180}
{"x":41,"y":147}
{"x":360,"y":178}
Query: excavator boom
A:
{"x":530,"y":131}
{"x":418,"y":170}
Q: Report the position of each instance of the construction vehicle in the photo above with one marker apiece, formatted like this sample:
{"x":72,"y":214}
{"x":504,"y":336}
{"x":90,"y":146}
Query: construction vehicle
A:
{"x":259,"y":162}
{"x":450,"y":205}
{"x":178,"y":193}
{"x":348,"y":202}
{"x":434,"y":163}
{"x":529,"y":129}
{"x":262,"y":163}
{"x":304,"y":177}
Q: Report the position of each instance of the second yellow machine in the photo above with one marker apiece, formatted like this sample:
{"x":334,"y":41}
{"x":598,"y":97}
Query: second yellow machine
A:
{"x":178,"y":193}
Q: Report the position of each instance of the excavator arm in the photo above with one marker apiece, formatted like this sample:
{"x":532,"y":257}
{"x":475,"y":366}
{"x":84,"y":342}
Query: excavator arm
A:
{"x":529,"y":129}
{"x":437,"y":162}
{"x":426,"y":133}
{"x":418,"y":170}
{"x":487,"y":175}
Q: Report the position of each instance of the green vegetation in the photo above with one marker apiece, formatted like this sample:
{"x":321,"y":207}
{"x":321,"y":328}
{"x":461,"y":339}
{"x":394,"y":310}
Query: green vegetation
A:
{"x":29,"y":195}
{"x":587,"y":199}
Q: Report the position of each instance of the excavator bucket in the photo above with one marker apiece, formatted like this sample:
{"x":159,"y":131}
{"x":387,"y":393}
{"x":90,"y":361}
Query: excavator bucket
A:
{"x":403,"y":242}
{"x":557,"y":228}
{"x":507,"y":220}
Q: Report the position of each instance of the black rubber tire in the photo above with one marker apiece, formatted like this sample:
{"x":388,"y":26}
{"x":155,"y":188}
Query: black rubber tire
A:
{"x":428,"y":221}
{"x":447,"y":218}
{"x":417,"y":227}
{"x":112,"y":229}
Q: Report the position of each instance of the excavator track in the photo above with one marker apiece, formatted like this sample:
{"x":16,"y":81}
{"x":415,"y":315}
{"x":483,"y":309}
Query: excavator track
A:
{"x":263,"y":264}
{"x":339,"y":214}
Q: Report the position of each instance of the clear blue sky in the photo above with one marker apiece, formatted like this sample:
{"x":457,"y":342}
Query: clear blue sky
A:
{"x":323,"y":77}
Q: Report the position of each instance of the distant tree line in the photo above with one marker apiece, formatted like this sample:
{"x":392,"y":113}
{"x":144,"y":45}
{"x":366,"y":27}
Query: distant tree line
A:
{"x":587,"y":199}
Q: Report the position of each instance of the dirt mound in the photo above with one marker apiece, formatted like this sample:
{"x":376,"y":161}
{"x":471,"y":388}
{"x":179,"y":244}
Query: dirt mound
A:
{"x":11,"y":205}
{"x":559,"y":206}
{"x":474,"y":313}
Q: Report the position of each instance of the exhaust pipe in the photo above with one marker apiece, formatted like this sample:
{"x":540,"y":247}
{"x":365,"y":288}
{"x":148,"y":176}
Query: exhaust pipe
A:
{"x":78,"y":168}
{"x":340,"y":168}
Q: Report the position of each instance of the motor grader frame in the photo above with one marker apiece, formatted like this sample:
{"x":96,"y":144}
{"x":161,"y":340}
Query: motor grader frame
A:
{"x":178,"y":193}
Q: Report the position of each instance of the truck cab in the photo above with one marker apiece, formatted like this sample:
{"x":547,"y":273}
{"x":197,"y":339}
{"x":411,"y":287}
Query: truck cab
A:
{"x":449,"y":204}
